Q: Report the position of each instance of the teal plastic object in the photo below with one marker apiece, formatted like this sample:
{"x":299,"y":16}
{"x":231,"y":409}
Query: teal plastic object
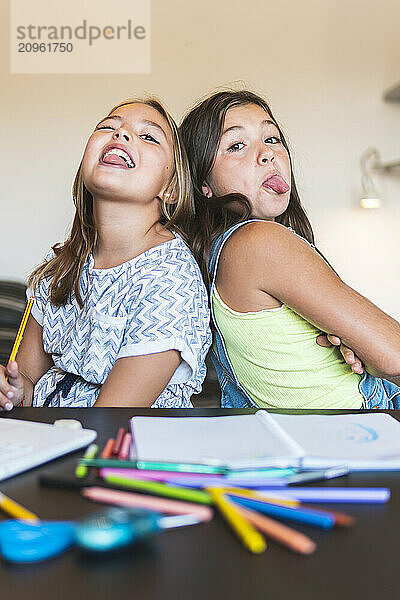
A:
{"x":115,"y":528}
{"x":25,"y":542}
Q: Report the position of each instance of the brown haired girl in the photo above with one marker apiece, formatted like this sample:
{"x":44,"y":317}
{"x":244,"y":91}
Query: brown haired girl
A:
{"x":271,"y":291}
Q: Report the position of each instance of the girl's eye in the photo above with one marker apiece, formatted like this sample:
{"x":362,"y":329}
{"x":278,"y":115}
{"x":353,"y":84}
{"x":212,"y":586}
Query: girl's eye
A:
{"x":236,"y":147}
{"x":149,"y":138}
{"x":104,"y":127}
{"x":273,"y":140}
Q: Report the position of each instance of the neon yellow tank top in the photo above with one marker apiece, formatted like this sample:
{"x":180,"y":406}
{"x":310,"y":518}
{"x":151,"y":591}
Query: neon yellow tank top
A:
{"x":277,"y":360}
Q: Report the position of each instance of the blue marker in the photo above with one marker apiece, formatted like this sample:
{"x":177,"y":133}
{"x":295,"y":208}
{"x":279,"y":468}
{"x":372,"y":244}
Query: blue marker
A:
{"x":301,"y":515}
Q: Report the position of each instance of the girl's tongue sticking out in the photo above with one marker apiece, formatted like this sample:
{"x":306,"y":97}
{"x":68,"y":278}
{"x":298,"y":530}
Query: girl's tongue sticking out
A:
{"x":277,"y":184}
{"x":114,"y":159}
{"x":118,"y":157}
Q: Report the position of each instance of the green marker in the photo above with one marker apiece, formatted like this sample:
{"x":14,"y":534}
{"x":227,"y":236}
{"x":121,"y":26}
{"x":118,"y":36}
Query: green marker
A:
{"x":262,"y":473}
{"x":82,"y":470}
{"x":160,"y":489}
{"x":111,"y":463}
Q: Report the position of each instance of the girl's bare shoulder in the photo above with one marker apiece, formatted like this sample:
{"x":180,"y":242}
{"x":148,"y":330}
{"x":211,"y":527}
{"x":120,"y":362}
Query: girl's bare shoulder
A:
{"x":258,"y":240}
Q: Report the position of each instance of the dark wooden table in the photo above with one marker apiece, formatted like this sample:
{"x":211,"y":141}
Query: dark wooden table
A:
{"x":205,"y":561}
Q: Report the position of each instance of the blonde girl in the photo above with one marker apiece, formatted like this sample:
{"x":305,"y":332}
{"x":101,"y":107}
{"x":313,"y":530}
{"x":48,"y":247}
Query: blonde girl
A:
{"x":120,"y":315}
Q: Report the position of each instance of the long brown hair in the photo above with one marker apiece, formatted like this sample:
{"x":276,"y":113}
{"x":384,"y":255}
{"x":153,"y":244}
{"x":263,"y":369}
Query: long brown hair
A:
{"x":66,"y":266}
{"x":201,"y":132}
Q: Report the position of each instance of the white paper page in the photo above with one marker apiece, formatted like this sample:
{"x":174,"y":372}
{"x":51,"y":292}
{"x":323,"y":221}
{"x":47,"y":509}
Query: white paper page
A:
{"x":199,"y":439}
{"x":353,"y":439}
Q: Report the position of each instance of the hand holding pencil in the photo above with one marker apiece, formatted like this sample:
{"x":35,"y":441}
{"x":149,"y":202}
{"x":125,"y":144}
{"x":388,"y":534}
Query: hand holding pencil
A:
{"x":11,"y":380}
{"x":11,"y":386}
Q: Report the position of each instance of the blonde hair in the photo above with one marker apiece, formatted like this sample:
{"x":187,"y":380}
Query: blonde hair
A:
{"x":177,"y":211}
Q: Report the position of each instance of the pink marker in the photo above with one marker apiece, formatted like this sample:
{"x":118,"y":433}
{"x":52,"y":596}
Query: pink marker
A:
{"x":163,"y":505}
{"x":125,"y":447}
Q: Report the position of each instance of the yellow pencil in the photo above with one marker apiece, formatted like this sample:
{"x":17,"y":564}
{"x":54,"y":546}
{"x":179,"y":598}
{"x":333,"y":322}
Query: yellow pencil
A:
{"x":250,"y":537}
{"x":16,"y":510}
{"x":21,"y":329}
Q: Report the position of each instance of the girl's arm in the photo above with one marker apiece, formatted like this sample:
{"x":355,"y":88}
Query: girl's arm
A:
{"x":138,"y":380}
{"x":286,"y":268}
{"x":32,"y":362}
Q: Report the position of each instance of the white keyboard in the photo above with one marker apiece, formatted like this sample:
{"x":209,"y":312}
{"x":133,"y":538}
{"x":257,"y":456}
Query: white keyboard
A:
{"x":13,"y":450}
{"x":27,"y":444}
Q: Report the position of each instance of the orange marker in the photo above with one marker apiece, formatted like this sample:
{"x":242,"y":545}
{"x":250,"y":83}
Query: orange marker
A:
{"x":296,"y":541}
{"x":108,"y":449}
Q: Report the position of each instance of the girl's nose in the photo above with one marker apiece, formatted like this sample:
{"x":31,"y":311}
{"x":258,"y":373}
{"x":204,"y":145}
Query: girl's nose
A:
{"x":266,"y":155}
{"x":121,"y":134}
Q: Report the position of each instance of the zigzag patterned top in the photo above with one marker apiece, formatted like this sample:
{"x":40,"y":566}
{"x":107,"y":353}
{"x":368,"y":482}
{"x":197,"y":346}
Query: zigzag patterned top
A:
{"x":152,"y":303}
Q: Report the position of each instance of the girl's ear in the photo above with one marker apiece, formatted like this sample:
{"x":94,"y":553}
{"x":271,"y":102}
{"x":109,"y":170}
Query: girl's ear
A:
{"x":207,"y":191}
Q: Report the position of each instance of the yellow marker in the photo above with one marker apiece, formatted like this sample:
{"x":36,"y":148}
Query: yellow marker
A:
{"x":251,"y":538}
{"x":21,"y":329}
{"x":82,"y":470}
{"x":282,"y":500}
{"x":16,"y":510}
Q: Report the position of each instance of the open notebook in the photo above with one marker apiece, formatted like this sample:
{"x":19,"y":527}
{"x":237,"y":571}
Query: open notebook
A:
{"x":361,"y":441}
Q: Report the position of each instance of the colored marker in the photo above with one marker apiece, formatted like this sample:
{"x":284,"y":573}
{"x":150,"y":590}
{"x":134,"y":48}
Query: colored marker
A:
{"x":265,"y":479}
{"x":341,"y":519}
{"x":107,"y":451}
{"x":315,"y":518}
{"x":163,"y":505}
{"x":292,"y":539}
{"x":275,"y":498}
{"x":82,"y":470}
{"x":200,"y":482}
{"x":152,"y":465}
{"x":333,"y":494}
{"x":160,"y":475}
{"x":262,"y":474}
{"x":63,"y":483}
{"x":125,"y":447}
{"x":190,"y":480}
{"x":255,"y":475}
{"x":248,"y":535}
{"x":15,"y":510}
{"x":118,"y":441}
{"x":159,"y":489}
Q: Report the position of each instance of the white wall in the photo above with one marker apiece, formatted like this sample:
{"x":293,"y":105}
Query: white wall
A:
{"x":323,"y":65}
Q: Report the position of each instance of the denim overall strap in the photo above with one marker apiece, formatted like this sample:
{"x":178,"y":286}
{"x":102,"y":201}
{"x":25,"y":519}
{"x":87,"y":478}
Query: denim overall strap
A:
{"x":233,"y":394}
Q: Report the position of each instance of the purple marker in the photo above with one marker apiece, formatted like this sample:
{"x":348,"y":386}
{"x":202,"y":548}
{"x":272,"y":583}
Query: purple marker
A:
{"x":332,"y":494}
{"x":190,"y":481}
{"x":194,"y":479}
